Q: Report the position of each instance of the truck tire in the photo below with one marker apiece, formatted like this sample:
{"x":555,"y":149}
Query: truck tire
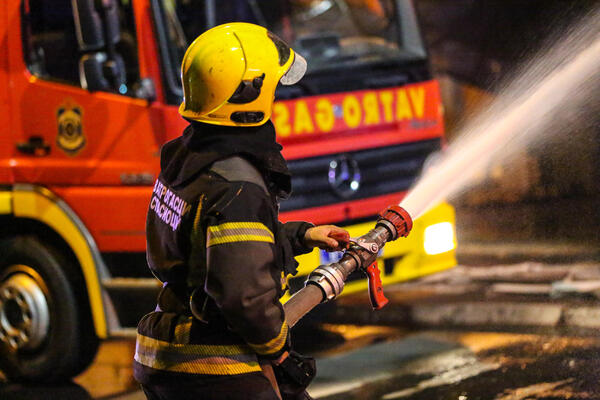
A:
{"x":46,"y":334}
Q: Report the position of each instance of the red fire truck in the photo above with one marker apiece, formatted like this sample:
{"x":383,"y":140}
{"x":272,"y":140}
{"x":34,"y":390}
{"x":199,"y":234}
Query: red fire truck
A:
{"x":89,"y":91}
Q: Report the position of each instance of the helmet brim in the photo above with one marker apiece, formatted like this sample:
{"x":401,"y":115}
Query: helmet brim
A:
{"x":296,"y":71}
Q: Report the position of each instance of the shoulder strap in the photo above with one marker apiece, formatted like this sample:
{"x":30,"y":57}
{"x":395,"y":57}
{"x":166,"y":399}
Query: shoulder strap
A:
{"x":239,"y":169}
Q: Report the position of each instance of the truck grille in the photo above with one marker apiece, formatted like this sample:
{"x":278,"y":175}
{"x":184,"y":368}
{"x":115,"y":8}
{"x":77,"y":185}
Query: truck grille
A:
{"x":382,"y":170}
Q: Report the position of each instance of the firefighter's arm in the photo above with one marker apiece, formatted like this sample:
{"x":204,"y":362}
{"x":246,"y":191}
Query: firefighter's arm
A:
{"x":242,"y":276}
{"x":295,"y":232}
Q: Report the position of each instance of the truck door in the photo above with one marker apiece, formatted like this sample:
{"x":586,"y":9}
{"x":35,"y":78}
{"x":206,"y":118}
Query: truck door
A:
{"x":83,"y":117}
{"x":68,"y":135}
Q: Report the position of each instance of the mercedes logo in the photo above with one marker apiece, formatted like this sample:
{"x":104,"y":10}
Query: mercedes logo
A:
{"x":344,"y":176}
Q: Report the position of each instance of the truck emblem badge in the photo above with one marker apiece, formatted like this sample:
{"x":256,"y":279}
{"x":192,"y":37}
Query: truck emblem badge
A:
{"x":70,"y":136}
{"x":338,"y":111}
{"x":344,"y":176}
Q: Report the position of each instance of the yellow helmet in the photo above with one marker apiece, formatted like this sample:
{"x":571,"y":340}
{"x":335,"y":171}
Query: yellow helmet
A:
{"x":230,"y":72}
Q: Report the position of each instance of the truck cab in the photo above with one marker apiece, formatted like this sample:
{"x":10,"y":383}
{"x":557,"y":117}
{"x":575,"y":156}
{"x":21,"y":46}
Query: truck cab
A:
{"x":90,"y":91}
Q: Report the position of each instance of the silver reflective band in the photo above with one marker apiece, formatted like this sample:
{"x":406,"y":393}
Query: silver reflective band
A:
{"x":296,"y":71}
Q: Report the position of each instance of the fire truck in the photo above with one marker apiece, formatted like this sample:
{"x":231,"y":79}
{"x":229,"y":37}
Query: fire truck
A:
{"x":89,"y":91}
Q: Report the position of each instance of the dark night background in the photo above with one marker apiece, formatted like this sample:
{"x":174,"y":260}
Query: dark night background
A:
{"x":544,"y":194}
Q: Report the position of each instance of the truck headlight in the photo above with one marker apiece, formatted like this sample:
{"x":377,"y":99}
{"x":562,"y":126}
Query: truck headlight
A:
{"x":439,"y":238}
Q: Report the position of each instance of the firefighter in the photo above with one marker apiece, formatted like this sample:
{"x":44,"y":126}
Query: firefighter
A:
{"x":213,"y":235}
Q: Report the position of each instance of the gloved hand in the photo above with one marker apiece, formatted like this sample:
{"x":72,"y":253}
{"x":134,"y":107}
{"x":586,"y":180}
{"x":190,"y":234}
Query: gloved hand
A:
{"x":294,"y":374}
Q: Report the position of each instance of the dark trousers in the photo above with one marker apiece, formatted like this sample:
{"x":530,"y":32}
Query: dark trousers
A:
{"x":253,"y":386}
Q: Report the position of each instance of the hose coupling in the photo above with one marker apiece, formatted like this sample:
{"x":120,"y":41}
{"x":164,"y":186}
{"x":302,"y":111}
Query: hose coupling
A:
{"x":330,"y":278}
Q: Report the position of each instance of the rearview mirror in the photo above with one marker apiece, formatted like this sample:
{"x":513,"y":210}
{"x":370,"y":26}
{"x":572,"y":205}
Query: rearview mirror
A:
{"x":96,"y":23}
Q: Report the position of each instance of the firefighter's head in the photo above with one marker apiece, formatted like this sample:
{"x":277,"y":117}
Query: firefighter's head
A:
{"x":230,"y":72}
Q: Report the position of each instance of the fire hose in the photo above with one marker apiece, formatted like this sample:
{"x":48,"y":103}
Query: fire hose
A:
{"x":326,"y":282}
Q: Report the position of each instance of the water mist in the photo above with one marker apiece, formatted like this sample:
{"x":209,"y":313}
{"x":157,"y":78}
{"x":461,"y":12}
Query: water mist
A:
{"x":559,"y":81}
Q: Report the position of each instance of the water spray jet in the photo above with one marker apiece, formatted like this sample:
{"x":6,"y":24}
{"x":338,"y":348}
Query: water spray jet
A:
{"x":561,"y":80}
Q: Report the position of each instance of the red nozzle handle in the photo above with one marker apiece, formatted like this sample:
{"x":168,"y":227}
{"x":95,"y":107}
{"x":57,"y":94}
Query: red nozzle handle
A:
{"x":378,"y":299}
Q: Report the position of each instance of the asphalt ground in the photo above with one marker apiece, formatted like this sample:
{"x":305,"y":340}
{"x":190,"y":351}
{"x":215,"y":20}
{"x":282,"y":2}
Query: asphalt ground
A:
{"x":456,"y":335}
{"x":529,"y":296}
{"x":373,"y":362}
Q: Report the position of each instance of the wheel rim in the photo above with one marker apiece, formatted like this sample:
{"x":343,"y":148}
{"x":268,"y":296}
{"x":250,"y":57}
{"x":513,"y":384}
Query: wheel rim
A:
{"x":24,"y":311}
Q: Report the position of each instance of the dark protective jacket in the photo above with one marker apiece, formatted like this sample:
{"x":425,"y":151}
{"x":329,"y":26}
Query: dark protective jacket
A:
{"x":214,"y":240}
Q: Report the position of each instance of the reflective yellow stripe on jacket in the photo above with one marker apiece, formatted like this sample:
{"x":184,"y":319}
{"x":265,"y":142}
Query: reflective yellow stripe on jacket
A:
{"x":231,"y":232}
{"x":273,"y":345}
{"x":179,"y":356}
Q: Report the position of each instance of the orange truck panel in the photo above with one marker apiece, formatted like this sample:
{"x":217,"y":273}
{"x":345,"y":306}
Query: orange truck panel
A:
{"x":411,"y":108}
{"x":5,"y":114}
{"x":115,"y":216}
{"x":348,"y":121}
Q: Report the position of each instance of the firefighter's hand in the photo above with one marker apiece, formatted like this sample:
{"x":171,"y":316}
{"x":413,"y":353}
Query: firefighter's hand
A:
{"x":327,"y":237}
{"x":294,"y":372}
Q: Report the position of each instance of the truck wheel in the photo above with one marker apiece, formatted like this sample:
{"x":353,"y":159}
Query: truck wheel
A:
{"x":45,"y":326}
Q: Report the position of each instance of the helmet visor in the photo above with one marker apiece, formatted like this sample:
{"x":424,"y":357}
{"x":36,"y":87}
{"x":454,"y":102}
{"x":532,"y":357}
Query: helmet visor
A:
{"x":296,"y":71}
